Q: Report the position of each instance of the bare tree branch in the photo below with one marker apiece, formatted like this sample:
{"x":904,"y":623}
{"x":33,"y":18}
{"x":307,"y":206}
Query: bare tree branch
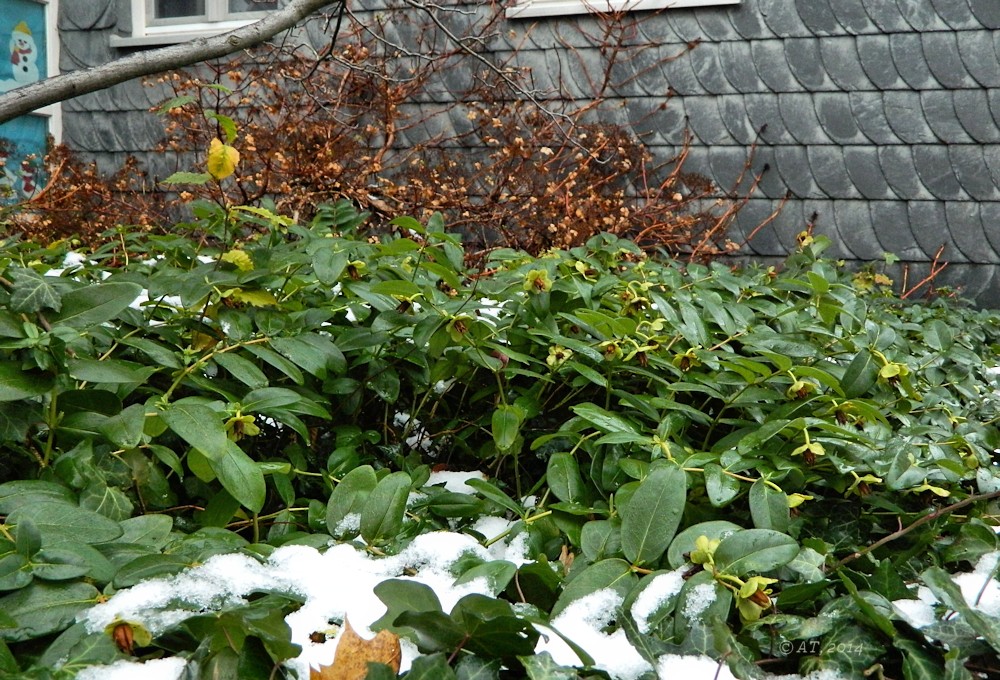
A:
{"x":62,"y":87}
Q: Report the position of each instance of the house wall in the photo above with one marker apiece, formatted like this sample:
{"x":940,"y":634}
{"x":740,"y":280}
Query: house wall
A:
{"x":880,"y":119}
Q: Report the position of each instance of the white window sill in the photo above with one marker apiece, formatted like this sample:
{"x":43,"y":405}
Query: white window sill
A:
{"x":177,"y":33}
{"x":554,"y":8}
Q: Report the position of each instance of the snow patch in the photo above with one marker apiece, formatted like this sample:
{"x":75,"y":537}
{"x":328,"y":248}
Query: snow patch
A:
{"x":654,"y":595}
{"x":583,"y":622}
{"x":154,"y":669}
{"x":455,"y":481}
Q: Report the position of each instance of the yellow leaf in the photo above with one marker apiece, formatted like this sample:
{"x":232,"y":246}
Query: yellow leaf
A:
{"x":222,"y":159}
{"x":239,"y":258}
{"x":254,"y":298}
{"x":354,"y":652}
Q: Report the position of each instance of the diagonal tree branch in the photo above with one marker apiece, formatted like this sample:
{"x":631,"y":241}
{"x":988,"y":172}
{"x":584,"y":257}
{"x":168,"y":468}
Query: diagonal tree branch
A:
{"x":59,"y":88}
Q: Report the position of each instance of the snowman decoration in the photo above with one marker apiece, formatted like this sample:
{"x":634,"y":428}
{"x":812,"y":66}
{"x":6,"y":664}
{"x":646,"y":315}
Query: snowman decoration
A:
{"x":23,"y":55}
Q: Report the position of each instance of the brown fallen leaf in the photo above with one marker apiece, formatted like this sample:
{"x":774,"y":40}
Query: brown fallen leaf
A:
{"x":354,"y":652}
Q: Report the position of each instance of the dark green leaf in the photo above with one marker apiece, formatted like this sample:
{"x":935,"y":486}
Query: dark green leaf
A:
{"x":506,"y":424}
{"x":564,"y":478}
{"x":28,"y":539}
{"x":17,"y":383}
{"x":613,"y":573}
{"x":754,"y":550}
{"x":651,"y":517}
{"x":543,"y":667}
{"x":241,"y":477}
{"x":95,"y":304}
{"x":148,"y":567}
{"x":110,"y":371}
{"x":55,"y":564}
{"x":60,"y":522}
{"x":44,"y":608}
{"x":720,"y":487}
{"x":242,"y":369}
{"x":684,"y":542}
{"x":349,"y":498}
{"x":431,"y":667}
{"x":199,"y":426}
{"x":382,"y":516}
{"x":602,"y":419}
{"x":861,"y":375}
{"x":769,"y":507}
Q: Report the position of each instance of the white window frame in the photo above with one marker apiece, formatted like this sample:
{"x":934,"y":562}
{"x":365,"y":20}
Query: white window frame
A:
{"x":53,"y":111}
{"x":526,"y":9}
{"x":147,"y":30}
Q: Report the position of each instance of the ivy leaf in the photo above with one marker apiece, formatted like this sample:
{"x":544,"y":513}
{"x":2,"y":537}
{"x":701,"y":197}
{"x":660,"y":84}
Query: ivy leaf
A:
{"x":32,"y":292}
{"x":543,"y":667}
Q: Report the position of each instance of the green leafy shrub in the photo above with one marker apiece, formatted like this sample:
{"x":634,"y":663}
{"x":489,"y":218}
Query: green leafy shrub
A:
{"x":796,"y":442}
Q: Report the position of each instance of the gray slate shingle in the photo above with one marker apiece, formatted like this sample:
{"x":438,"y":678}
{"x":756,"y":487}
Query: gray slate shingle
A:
{"x":876,"y":60}
{"x":987,"y":12}
{"x":901,"y":173}
{"x":783,"y":21}
{"x":922,"y":16}
{"x":885,"y":15}
{"x":706,"y":120}
{"x":799,"y":114}
{"x":856,"y":231}
{"x":973,"y":110}
{"x":830,"y":171}
{"x":806,"y":64}
{"x":908,"y":55}
{"x":943,"y":58}
{"x":868,"y":110}
{"x":818,"y":17}
{"x":889,"y":221}
{"x":866,"y":175}
{"x":969,"y":164}
{"x":932,"y":230}
{"x":792,"y":164}
{"x":834,"y":113}
{"x":939,"y":111}
{"x":978,"y":52}
{"x":843,"y":64}
{"x":935,"y":172}
{"x":966,"y":227}
{"x":905,"y":114}
{"x":852,"y":16}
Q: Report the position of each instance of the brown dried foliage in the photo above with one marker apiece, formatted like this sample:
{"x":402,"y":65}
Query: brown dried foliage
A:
{"x":376,"y":119}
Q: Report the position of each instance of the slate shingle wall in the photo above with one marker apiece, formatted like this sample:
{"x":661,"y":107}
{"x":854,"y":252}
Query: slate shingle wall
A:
{"x":882,"y":117}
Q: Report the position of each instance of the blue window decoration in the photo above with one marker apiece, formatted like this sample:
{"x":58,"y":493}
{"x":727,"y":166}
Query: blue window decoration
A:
{"x":23,"y":140}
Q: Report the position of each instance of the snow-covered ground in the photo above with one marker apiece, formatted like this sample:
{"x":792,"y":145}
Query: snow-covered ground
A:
{"x":339,"y":583}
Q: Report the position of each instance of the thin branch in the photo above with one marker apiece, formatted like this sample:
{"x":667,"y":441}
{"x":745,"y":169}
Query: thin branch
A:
{"x":930,"y":517}
{"x":59,"y":88}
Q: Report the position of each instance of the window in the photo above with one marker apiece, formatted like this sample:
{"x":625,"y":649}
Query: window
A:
{"x":168,"y":21}
{"x":524,"y":9}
